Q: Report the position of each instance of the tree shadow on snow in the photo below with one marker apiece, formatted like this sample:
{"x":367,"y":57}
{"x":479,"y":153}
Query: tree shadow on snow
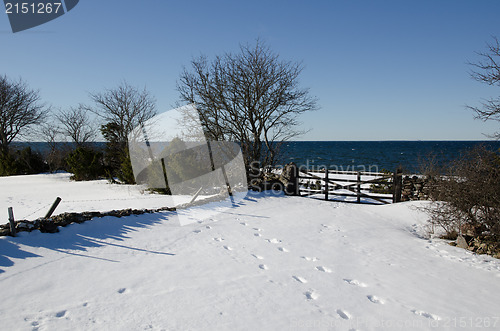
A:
{"x":76,"y":239}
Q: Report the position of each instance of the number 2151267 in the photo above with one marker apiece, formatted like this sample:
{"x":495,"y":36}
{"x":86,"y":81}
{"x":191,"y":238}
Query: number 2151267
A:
{"x":33,"y":8}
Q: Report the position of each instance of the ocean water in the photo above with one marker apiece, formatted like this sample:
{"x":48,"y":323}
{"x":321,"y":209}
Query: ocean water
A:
{"x":358,"y":155}
{"x":375,"y":155}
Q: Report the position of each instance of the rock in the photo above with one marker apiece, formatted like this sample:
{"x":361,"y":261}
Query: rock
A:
{"x":47,"y":226}
{"x":461,"y":242}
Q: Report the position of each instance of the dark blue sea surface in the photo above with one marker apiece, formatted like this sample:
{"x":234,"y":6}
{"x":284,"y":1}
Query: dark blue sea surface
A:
{"x":375,"y":155}
{"x":357,"y":155}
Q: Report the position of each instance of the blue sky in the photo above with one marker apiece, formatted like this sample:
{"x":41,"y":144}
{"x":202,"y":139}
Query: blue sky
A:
{"x":382,"y":70}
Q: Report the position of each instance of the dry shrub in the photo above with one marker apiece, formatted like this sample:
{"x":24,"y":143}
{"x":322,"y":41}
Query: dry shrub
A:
{"x":466,"y":200}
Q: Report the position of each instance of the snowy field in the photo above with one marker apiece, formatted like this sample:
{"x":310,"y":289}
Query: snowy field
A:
{"x":270,"y":263}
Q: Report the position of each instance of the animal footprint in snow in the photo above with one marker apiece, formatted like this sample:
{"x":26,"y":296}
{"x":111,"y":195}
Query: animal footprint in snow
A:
{"x":257,"y":229}
{"x":257,"y":234}
{"x":310,"y":258}
{"x":426,"y":314}
{"x":197,"y":231}
{"x":208,"y":227}
{"x":60,"y":314}
{"x":375,"y":299}
{"x":273,"y":241}
{"x":258,"y":257}
{"x":228,"y":248}
{"x":345,"y":315}
{"x":283,"y":249}
{"x":323,"y":269}
{"x":243,"y":223}
{"x":311,"y":295}
{"x":355,"y":282}
{"x":218,"y":239}
{"x":263,"y":267}
{"x":300,"y":279}
{"x":122,"y":290}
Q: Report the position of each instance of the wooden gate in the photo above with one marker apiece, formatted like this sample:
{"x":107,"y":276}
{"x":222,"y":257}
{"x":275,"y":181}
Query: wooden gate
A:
{"x":351,"y":186}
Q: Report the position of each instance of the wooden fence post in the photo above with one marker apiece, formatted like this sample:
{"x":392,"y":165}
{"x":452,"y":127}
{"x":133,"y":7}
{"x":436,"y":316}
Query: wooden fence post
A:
{"x":12,"y":223}
{"x":326,"y":184}
{"x":358,"y":198}
{"x":398,"y":185}
{"x":53,"y":208}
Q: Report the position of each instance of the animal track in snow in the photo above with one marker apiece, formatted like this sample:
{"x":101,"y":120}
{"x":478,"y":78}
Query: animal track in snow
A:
{"x":257,"y":229}
{"x":122,"y":290}
{"x":355,"y":282}
{"x":263,"y":266}
{"x":345,"y":315}
{"x":375,"y":299}
{"x":61,"y":313}
{"x":208,"y":227}
{"x":426,"y":314}
{"x":227,"y":248}
{"x":243,"y":223}
{"x":257,"y":234}
{"x":300,"y":279}
{"x":283,"y":249}
{"x":273,"y":241}
{"x":323,"y":269}
{"x":197,"y":231}
{"x":218,"y":239}
{"x":310,"y":258}
{"x":311,"y":295}
{"x":258,"y":257}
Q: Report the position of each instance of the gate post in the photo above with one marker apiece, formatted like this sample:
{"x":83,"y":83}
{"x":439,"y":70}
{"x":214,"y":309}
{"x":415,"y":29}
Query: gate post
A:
{"x":358,"y":198}
{"x":326,"y":184}
{"x":397,"y":185}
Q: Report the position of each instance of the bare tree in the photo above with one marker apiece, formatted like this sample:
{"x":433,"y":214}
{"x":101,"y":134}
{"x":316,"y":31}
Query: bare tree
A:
{"x":57,"y":152}
{"x":77,"y":125}
{"x":20,"y":110}
{"x":487,"y":70}
{"x":252,"y":97}
{"x":125,"y":106}
{"x":122,"y":109}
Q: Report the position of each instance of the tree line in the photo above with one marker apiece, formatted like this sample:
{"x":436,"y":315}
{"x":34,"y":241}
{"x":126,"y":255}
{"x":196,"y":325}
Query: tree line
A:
{"x":252,"y":97}
{"x":25,"y":116}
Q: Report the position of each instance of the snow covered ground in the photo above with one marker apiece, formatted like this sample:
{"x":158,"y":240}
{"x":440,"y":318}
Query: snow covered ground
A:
{"x":270,"y":263}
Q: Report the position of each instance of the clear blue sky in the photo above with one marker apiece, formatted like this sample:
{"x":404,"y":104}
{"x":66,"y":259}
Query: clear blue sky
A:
{"x":382,"y":70}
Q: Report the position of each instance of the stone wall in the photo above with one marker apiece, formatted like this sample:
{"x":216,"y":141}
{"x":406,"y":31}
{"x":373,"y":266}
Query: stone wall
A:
{"x":415,"y":188}
{"x":50,"y":225}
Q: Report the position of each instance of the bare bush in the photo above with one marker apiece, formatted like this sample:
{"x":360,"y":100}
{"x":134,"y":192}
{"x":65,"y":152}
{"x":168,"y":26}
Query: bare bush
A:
{"x":467,"y":199}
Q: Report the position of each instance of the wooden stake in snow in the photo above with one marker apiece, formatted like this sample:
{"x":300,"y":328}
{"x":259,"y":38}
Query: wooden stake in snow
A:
{"x":196,"y":195}
{"x":53,"y":208}
{"x":11,"y":221}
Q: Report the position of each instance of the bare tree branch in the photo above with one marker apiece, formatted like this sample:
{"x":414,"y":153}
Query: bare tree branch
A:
{"x":76,"y":124}
{"x":487,"y":70}
{"x":126,"y":106}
